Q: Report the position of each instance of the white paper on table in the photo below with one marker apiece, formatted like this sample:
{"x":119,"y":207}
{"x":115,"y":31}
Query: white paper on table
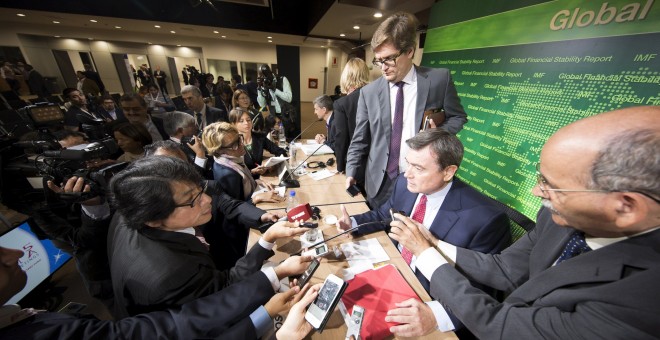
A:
{"x":370,"y":250}
{"x":322,"y":149}
{"x":274,"y":161}
{"x":321,"y":174}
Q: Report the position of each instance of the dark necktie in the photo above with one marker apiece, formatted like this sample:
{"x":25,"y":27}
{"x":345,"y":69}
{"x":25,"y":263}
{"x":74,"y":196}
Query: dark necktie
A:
{"x":418,"y":216}
{"x":395,"y":139}
{"x":199,"y":119}
{"x":575,"y":246}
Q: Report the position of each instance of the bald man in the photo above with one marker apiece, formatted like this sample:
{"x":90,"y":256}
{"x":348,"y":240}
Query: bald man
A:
{"x":589,"y":269}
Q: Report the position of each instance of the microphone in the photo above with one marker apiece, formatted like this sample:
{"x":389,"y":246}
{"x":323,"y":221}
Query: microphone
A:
{"x":300,"y":212}
{"x":385,"y":222}
{"x":289,"y":182}
{"x":307,"y":128}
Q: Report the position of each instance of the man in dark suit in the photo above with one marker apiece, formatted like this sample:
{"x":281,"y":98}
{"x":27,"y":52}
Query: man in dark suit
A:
{"x":394,"y":105}
{"x":323,"y":111}
{"x":135,"y":111}
{"x":453,"y":211}
{"x":78,"y":107}
{"x":589,"y":269}
{"x":94,"y":76}
{"x":161,"y":79}
{"x":109,"y":110}
{"x":203,"y":113}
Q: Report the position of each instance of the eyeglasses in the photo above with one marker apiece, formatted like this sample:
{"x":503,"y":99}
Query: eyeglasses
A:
{"x":235,"y":145}
{"x":389,"y":61}
{"x":192,"y":203}
{"x":542,"y":182}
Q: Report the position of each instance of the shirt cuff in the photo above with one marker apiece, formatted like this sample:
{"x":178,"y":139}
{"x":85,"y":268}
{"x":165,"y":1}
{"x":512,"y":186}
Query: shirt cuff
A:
{"x":272,"y":277}
{"x":261,"y":321}
{"x":448,"y":250}
{"x":265,"y":244}
{"x":441,"y":317}
{"x":97,"y":212}
{"x":200,"y":162}
{"x":428,"y":261}
{"x":353,"y":223}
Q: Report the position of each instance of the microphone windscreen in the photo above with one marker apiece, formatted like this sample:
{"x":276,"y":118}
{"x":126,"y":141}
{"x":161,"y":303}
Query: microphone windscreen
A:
{"x":300,"y":212}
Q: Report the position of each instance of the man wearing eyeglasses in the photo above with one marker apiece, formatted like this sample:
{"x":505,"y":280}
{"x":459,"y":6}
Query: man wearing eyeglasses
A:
{"x":391,"y":109}
{"x":590,"y":268}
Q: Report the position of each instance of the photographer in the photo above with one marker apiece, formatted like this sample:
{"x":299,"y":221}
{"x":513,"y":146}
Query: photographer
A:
{"x":275,"y":93}
{"x":183,"y":130}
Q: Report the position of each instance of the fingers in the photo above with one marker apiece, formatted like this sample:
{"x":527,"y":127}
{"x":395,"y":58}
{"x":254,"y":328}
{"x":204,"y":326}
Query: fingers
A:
{"x":349,"y":181}
{"x":405,"y":331}
{"x":406,"y":303}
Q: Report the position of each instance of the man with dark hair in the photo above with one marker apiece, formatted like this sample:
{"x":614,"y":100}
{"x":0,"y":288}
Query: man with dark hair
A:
{"x":109,"y":110}
{"x":591,"y":266}
{"x":157,"y":259}
{"x":454,"y":212}
{"x":204,"y":114}
{"x":391,"y":108}
{"x":323,"y":110}
{"x":135,"y":110}
{"x":78,"y":107}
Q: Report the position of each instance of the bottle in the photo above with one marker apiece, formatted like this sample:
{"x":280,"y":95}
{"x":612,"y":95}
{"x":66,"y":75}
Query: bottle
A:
{"x":292,"y":155}
{"x":275,"y":135}
{"x":282,"y":137}
{"x":291,"y":201}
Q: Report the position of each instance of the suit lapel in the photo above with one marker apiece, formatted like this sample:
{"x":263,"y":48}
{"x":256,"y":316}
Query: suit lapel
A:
{"x":423,"y":87}
{"x":385,"y":115}
{"x":447,"y":216}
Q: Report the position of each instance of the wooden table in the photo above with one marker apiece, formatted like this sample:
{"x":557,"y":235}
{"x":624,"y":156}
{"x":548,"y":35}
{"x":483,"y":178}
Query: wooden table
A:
{"x":331,"y":193}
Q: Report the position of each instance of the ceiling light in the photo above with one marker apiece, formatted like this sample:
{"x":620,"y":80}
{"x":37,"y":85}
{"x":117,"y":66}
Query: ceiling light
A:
{"x":270,"y":41}
{"x":92,"y":20}
{"x":378,"y":15}
{"x":55,"y":22}
{"x":90,"y":38}
{"x":216,"y":32}
{"x":342,"y":35}
{"x":269,"y":37}
{"x":179,"y":45}
{"x":56,"y":36}
{"x":224,"y":36}
{"x":117,"y":26}
{"x":356,"y":27}
{"x":172,"y":32}
{"x":157,"y":26}
{"x":322,"y":45}
{"x":20,"y":14}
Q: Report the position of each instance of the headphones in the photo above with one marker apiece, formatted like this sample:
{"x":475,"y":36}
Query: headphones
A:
{"x":317,"y":164}
{"x":316,"y":213}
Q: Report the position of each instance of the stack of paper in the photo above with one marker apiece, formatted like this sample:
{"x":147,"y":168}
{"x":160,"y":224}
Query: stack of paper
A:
{"x":312,"y":148}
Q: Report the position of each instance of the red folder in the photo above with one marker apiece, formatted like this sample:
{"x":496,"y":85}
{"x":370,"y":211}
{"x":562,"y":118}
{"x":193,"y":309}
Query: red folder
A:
{"x":377,"y":290}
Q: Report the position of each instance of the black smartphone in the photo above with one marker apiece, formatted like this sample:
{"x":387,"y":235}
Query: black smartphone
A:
{"x":392,"y":212}
{"x":427,"y":122}
{"x":353,"y":190}
{"x":304,"y":278}
{"x":311,"y":225}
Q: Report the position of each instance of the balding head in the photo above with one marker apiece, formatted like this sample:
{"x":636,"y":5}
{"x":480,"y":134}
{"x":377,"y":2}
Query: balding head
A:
{"x":616,"y":153}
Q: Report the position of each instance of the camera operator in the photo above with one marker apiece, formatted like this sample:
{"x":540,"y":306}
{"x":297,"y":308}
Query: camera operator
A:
{"x":275,"y":93}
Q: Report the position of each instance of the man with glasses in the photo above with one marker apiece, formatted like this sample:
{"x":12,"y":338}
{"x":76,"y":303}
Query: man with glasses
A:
{"x":590,"y":268}
{"x":450,"y":209}
{"x":157,"y":257}
{"x":391,"y":109}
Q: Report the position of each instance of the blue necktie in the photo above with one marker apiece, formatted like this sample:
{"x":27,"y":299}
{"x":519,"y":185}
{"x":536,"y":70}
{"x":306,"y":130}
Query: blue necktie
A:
{"x":575,"y":246}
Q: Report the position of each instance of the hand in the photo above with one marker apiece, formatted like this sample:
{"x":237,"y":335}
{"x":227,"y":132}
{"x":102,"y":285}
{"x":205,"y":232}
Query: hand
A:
{"x":282,"y":302}
{"x":407,"y":233}
{"x":349,"y":181}
{"x":269,"y":217}
{"x":259,"y":170}
{"x":198,"y":148}
{"x":427,"y":235}
{"x":268,"y":196}
{"x":294,"y":265}
{"x":295,"y":326}
{"x":283,"y":229}
{"x":265,"y":184}
{"x":344,"y":222}
{"x":320,"y":138}
{"x":72,"y":186}
{"x":415,"y":317}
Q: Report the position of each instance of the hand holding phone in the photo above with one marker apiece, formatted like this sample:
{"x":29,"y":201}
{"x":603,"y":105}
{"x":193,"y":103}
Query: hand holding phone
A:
{"x":353,"y":190}
{"x":318,"y":251}
{"x":392,"y":212}
{"x":304,"y":278}
{"x":320,"y":310}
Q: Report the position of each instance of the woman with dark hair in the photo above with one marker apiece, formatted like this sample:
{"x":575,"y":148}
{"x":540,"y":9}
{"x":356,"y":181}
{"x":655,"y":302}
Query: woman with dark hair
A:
{"x":255,"y":142}
{"x":241,"y":99}
{"x":157,"y":260}
{"x":131,"y":138}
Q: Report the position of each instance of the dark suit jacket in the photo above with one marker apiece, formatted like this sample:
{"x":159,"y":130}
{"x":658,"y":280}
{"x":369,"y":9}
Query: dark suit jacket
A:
{"x":158,"y":122}
{"x":344,"y":126}
{"x":213,"y":115}
{"x":373,"y":126}
{"x":608,"y":293}
{"x":330,"y":138}
{"x":256,"y":155}
{"x":153,"y":269}
{"x":224,"y":314}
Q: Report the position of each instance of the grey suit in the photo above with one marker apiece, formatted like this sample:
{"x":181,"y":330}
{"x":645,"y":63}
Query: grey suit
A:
{"x":370,"y":145}
{"x":608,"y":293}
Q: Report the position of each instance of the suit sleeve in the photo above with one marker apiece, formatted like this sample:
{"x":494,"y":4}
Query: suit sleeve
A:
{"x":359,"y":147}
{"x":340,"y":134}
{"x":272,"y":148}
{"x":455,"y":116}
{"x":231,"y":183}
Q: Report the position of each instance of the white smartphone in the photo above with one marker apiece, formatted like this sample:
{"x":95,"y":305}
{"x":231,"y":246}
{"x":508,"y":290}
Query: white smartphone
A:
{"x":355,"y":323}
{"x":318,"y":251}
{"x":320,"y":310}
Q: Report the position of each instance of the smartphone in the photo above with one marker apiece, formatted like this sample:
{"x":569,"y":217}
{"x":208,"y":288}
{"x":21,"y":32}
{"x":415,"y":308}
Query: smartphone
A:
{"x":320,"y":310}
{"x":392,"y":212}
{"x":427,"y":122}
{"x":318,"y":251}
{"x":304,"y":278}
{"x":353,"y":190}
{"x":355,"y":322}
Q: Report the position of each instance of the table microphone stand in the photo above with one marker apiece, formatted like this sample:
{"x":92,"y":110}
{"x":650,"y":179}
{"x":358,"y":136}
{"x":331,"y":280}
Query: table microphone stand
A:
{"x":289,"y":182}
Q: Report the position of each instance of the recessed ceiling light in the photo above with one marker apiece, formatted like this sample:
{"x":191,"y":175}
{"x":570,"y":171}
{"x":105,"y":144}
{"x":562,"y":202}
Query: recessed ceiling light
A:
{"x":269,"y":37}
{"x":157,"y":26}
{"x":56,"y":36}
{"x":179,"y":45}
{"x":270,"y":41}
{"x":149,"y":42}
{"x":342,"y":35}
{"x":322,"y":45}
{"x":55,"y":22}
{"x":172,"y":32}
{"x":356,"y":27}
{"x":378,"y":15}
{"x":224,"y":36}
{"x":92,"y":20}
{"x":117,"y":26}
{"x":90,"y":38}
{"x":216,"y":32}
{"x":20,"y":14}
